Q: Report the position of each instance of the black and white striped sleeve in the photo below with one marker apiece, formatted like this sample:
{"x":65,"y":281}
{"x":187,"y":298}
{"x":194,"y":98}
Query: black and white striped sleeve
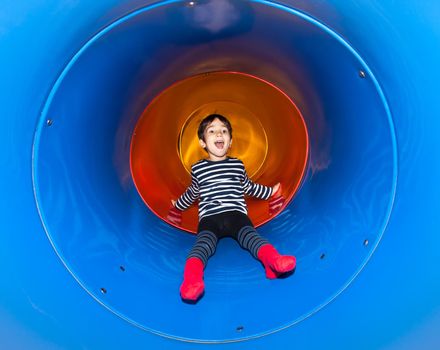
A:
{"x":255,"y":190}
{"x":190,"y":195}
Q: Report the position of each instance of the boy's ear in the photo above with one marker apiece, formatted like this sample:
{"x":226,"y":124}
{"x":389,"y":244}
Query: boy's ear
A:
{"x":202,"y":143}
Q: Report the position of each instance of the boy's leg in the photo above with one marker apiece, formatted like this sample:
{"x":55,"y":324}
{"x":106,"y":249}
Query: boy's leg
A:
{"x":193,"y":286}
{"x":205,"y":246}
{"x":248,"y":238}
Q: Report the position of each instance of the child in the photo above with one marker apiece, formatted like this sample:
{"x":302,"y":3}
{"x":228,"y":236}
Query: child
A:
{"x":220,"y":182}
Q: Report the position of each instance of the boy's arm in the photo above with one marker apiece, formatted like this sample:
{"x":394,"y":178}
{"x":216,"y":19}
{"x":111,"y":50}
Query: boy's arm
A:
{"x":255,"y":190}
{"x":189,"y":196}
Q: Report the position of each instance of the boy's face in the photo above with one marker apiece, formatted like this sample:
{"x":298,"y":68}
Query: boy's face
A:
{"x":217,"y":140}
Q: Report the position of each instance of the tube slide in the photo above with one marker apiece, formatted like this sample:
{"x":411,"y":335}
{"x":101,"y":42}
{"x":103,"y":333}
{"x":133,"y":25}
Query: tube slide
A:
{"x":334,"y":99}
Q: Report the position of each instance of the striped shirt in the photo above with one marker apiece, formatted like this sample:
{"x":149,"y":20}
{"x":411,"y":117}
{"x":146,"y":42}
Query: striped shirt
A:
{"x":220,"y":186}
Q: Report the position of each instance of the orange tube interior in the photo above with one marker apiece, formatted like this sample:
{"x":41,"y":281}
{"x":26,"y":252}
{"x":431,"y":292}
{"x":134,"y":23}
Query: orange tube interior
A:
{"x":269,"y":135}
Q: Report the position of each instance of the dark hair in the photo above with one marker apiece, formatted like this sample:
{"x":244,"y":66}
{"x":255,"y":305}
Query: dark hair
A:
{"x":208,"y":120}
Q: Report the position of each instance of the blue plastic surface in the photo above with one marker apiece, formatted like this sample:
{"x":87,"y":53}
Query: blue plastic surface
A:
{"x":70,"y":212}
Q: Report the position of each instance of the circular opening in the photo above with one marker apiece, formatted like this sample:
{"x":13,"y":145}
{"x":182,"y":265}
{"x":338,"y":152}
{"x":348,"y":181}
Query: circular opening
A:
{"x":250,"y":145}
{"x":267,"y":130}
{"x":96,"y":220}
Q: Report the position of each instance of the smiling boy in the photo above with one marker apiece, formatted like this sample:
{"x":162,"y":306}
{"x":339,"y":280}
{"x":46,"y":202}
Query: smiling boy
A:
{"x":220,"y":183}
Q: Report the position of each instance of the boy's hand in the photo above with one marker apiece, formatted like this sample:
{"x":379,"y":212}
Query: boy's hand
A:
{"x":174,"y":215}
{"x":277,"y":200}
{"x":275,"y":189}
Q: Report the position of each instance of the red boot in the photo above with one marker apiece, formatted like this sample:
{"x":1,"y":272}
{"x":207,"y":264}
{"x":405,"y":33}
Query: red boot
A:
{"x":193,"y":285}
{"x":274,"y":263}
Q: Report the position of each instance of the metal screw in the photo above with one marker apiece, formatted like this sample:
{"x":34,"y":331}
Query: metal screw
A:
{"x":362,"y":74}
{"x":49,"y":122}
{"x":240,"y":329}
{"x":366,"y":242}
{"x":103,"y":291}
{"x":322,"y":256}
{"x":122,"y":268}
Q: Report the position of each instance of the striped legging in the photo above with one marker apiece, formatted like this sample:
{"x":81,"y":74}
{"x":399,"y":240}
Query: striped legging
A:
{"x":229,"y":224}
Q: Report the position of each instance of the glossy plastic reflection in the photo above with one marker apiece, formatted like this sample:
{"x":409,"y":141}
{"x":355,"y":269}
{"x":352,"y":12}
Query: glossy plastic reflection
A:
{"x":267,"y":130}
{"x":96,"y":220}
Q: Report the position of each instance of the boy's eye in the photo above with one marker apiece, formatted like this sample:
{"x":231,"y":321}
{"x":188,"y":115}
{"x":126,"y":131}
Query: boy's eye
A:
{"x":225,"y":131}
{"x":210,"y":131}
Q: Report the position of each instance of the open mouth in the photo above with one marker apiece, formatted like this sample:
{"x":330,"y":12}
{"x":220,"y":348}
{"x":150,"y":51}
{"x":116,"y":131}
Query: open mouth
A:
{"x":219,"y":144}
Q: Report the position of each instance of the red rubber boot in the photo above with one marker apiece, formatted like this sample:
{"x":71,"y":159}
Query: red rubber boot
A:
{"x":274,"y":263}
{"x":193,"y":286}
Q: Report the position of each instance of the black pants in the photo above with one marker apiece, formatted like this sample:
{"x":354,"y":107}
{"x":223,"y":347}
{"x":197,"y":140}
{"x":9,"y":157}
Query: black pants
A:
{"x":232,"y":224}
